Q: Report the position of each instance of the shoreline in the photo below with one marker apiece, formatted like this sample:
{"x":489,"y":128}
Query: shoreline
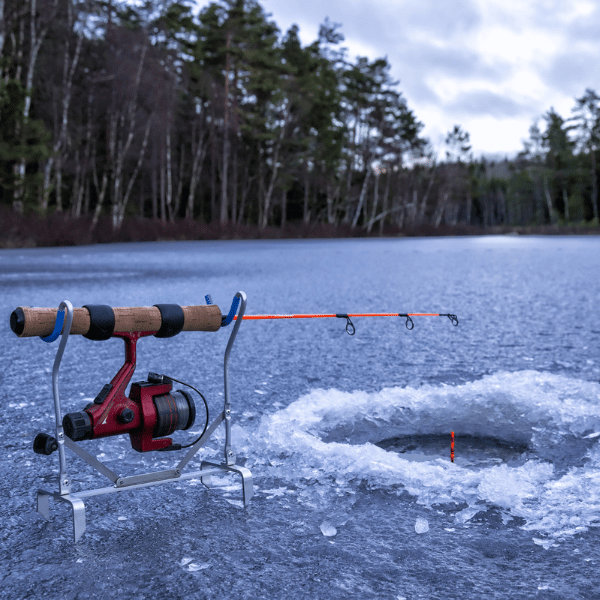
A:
{"x":61,"y":230}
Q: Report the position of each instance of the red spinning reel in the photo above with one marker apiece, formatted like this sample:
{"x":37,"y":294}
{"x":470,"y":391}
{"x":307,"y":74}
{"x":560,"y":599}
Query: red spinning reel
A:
{"x":151,"y":411}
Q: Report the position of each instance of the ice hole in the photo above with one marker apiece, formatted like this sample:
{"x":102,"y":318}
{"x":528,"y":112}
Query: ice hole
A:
{"x":469,"y":450}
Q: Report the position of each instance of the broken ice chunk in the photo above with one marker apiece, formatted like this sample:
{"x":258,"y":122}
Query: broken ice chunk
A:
{"x":328,"y":529}
{"x":467,"y":514}
{"x":421,"y":525}
{"x":192,"y":567}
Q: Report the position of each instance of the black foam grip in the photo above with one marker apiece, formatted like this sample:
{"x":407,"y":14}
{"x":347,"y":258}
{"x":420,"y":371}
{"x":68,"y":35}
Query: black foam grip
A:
{"x":102,"y":322}
{"x":172,"y":320}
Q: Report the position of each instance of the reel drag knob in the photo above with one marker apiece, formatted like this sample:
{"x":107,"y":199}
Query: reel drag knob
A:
{"x":78,"y":426}
{"x":44,"y":444}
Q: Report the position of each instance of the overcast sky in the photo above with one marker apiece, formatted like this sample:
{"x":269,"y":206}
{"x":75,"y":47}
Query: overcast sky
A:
{"x":491,"y":66}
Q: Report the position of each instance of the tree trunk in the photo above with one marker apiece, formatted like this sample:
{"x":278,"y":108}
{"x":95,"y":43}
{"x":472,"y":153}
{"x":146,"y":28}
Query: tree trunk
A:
{"x":163,"y":212}
{"x":261,"y":185}
{"x":469,"y":206}
{"x":2,"y":27}
{"x":246,"y":184}
{"x":375,"y":203}
{"x":233,"y":188}
{"x":169,"y":175}
{"x":566,"y":202}
{"x":154,"y":184}
{"x":283,"y":208}
{"x":82,"y":201}
{"x":306,"y":212}
{"x":423,"y":206}
{"x":503,"y":205}
{"x":361,"y":199}
{"x":179,"y":181}
{"x":61,"y":140}
{"x":141,"y":201}
{"x":77,"y":193}
{"x":213,"y":177}
{"x":197,"y":164}
{"x":86,"y":197}
{"x":123,"y":204}
{"x":350,"y":163}
{"x":594,"y":186}
{"x":269,"y":194}
{"x":123,"y":147}
{"x":330,"y":211}
{"x":59,"y":184}
{"x":439,"y":209}
{"x":101,"y":191}
{"x":36,"y":39}
{"x":226,"y":140}
{"x":548,"y":202}
{"x":386,"y":195}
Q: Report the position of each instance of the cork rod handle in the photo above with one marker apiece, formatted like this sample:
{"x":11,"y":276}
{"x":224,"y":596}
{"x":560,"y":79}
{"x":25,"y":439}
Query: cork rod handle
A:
{"x":29,"y":322}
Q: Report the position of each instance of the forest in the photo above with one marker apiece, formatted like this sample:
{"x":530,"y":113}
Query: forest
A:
{"x":155,"y":112}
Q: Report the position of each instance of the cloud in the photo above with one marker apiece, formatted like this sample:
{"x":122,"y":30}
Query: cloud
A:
{"x":484,"y":102}
{"x":430,"y":20}
{"x":572,"y":72}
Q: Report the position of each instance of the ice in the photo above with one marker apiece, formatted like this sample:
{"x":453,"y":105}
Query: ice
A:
{"x":275,"y":492}
{"x":327,"y":529}
{"x":330,"y":435}
{"x":192,"y":567}
{"x":421,"y":525}
{"x":467,"y":514}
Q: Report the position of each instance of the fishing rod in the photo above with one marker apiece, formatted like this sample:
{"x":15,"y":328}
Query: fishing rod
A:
{"x":350,"y":328}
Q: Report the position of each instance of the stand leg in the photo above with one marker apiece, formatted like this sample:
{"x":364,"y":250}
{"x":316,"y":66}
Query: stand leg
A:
{"x":246,"y":475}
{"x":78,"y":515}
{"x":43,"y":507}
{"x":43,"y":504}
{"x":206,"y":480}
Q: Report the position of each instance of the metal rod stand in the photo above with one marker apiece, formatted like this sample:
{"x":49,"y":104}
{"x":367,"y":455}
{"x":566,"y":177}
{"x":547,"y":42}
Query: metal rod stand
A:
{"x":120,"y":484}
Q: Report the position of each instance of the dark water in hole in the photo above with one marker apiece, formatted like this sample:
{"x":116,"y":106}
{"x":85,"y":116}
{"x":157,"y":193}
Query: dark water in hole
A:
{"x":468,"y":449}
{"x":326,"y":422}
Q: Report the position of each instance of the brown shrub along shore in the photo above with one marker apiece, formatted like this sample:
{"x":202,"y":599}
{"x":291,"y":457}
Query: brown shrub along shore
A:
{"x":60,"y":229}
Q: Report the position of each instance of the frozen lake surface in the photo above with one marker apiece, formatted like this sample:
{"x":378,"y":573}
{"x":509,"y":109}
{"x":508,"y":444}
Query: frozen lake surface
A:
{"x":348,"y":438}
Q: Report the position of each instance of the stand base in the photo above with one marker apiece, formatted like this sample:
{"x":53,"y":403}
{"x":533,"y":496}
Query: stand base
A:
{"x":75,"y":499}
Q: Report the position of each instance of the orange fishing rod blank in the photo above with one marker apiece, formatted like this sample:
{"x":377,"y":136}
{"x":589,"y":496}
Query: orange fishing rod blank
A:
{"x":259,"y":317}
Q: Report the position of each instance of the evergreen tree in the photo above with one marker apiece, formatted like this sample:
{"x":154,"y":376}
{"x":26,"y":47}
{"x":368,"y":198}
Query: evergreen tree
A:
{"x":559,"y":159}
{"x":586,"y":118}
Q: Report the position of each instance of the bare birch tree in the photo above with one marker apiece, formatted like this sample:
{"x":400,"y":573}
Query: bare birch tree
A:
{"x":37,"y":32}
